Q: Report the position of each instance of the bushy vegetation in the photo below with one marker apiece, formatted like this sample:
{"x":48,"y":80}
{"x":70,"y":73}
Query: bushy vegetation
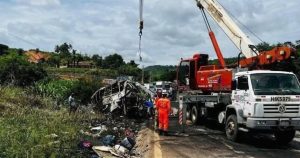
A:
{"x":98,"y":73}
{"x":33,"y":119}
{"x":16,"y":70}
{"x":60,"y":89}
{"x":28,"y":131}
{"x":160,"y":73}
{"x":56,"y":89}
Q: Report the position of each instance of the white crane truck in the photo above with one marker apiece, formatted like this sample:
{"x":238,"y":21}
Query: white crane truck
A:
{"x":255,"y":99}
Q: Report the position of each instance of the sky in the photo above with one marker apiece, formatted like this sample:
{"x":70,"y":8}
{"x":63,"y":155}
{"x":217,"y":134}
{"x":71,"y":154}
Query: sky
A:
{"x":173,"y":29}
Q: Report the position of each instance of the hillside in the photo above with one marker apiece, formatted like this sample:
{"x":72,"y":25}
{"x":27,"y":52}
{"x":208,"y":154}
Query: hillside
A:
{"x":160,"y":68}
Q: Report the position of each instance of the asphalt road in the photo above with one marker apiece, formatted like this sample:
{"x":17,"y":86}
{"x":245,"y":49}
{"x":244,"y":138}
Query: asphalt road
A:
{"x":210,"y":141}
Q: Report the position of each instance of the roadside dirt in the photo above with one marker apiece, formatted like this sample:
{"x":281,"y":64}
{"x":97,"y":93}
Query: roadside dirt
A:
{"x":209,"y":141}
{"x":148,"y":145}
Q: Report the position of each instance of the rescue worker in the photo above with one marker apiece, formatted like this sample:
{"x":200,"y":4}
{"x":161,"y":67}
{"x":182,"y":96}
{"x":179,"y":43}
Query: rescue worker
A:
{"x":72,"y":104}
{"x":149,"y":105}
{"x":157,"y":97}
{"x":164,"y":108}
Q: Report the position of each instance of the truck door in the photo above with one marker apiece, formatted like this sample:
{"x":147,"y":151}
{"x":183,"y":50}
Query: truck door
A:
{"x":183,"y":73}
{"x":241,"y":94}
{"x":192,"y":75}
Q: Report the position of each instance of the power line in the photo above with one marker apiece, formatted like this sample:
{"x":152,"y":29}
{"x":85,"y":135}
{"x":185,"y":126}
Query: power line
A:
{"x":20,"y":38}
{"x":24,"y":40}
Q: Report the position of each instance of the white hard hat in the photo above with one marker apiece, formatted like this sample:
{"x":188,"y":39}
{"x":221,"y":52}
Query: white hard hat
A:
{"x":164,"y":92}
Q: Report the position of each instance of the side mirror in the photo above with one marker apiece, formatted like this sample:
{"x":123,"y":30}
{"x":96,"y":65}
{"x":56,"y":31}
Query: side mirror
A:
{"x":233,"y":85}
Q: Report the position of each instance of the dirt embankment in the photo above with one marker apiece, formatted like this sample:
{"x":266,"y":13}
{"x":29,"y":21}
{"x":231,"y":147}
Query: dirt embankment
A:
{"x":147,"y":143}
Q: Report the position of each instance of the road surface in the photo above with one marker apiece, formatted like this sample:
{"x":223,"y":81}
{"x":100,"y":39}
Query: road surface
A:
{"x":210,"y":141}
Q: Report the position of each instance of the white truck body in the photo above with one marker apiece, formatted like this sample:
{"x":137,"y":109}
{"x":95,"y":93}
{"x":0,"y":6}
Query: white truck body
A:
{"x":262,"y":100}
{"x":268,"y":107}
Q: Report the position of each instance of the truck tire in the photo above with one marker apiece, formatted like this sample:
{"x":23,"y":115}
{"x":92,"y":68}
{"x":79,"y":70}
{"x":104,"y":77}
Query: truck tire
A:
{"x":194,"y":115}
{"x":231,"y":128}
{"x":188,"y":112}
{"x":283,"y":137}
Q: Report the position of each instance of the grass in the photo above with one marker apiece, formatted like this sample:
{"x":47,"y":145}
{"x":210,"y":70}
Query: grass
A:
{"x":71,"y":73}
{"x":29,"y":123}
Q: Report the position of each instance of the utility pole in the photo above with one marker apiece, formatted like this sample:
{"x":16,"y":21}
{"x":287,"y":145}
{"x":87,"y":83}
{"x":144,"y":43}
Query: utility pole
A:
{"x":143,"y":75}
{"x":150,"y":76}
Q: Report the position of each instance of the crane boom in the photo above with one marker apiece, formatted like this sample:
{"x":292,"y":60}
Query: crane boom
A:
{"x":235,"y":34}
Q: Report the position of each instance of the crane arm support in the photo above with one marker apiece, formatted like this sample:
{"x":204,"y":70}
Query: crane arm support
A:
{"x":217,"y":49}
{"x":235,"y":34}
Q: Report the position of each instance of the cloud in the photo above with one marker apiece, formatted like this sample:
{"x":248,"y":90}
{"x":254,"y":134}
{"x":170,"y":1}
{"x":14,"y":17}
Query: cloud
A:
{"x":40,"y":2}
{"x":173,"y":28}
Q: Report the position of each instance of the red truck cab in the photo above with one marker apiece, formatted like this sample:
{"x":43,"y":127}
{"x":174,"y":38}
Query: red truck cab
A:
{"x":196,"y":74}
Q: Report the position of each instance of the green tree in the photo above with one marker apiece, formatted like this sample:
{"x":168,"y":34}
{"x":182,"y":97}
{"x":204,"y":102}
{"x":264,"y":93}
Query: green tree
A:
{"x":78,"y":58}
{"x":64,"y":50}
{"x":113,"y":61}
{"x":97,"y":59}
{"x":86,"y":57}
{"x":20,"y":51}
{"x":74,"y":57}
{"x":16,"y":70}
{"x":54,"y":60}
{"x":129,"y":70}
{"x":3,"y":49}
{"x":264,"y":46}
{"x":132,"y":63}
{"x":168,"y":76}
{"x":298,"y":43}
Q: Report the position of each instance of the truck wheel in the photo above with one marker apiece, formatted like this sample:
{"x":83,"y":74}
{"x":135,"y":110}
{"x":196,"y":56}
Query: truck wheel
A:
{"x":194,"y":115}
{"x":188,"y":112}
{"x":284,"y":137}
{"x":231,"y":128}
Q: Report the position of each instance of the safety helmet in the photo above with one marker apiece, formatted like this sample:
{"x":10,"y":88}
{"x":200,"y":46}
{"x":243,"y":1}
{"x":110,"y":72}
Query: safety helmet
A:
{"x":164,"y":92}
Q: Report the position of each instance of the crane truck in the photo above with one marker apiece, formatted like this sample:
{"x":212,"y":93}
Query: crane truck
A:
{"x":246,"y":98}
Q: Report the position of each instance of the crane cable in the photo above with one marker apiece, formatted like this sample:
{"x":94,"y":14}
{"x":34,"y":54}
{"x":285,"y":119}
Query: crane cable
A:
{"x":141,"y":29}
{"x":242,"y":24}
{"x":204,"y":16}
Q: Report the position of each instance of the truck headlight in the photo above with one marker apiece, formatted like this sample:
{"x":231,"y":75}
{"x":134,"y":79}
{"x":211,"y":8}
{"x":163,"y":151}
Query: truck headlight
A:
{"x":261,"y":122}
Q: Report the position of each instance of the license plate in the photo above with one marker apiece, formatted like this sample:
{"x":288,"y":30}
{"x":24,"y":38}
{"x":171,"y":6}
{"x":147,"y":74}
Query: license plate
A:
{"x":284,"y":123}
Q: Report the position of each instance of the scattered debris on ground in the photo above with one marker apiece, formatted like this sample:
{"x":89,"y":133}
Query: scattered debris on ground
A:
{"x":112,"y":137}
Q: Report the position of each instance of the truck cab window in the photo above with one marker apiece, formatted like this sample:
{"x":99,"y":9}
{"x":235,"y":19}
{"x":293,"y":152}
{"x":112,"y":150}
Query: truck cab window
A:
{"x":242,"y":83}
{"x":183,"y":72}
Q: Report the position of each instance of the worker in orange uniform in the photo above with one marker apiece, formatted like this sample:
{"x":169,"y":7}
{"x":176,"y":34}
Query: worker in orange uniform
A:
{"x":157,"y":97}
{"x":164,"y":108}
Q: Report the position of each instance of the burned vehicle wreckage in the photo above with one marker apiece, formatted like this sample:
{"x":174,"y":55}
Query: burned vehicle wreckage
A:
{"x":122,"y":97}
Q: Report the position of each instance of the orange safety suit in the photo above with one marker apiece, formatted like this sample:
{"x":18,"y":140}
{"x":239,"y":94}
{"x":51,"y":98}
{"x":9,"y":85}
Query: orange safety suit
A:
{"x":156,"y":100}
{"x":164,"y":107}
{"x":156,"y":112}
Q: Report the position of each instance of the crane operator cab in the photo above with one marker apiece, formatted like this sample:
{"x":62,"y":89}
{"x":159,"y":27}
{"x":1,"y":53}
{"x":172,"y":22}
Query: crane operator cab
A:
{"x":187,"y":71}
{"x":196,"y":74}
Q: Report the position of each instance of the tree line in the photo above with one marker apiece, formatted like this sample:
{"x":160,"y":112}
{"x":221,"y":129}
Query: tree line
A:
{"x":16,"y":69}
{"x":168,"y":73}
{"x":65,"y":54}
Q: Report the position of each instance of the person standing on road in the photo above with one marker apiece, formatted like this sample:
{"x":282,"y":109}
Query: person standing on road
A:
{"x":149,"y":106}
{"x":156,"y":118}
{"x":164,"y":108}
{"x":72,"y":104}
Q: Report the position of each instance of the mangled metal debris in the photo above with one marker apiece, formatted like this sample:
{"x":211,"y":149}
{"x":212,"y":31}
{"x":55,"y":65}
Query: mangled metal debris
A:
{"x":125,"y":96}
